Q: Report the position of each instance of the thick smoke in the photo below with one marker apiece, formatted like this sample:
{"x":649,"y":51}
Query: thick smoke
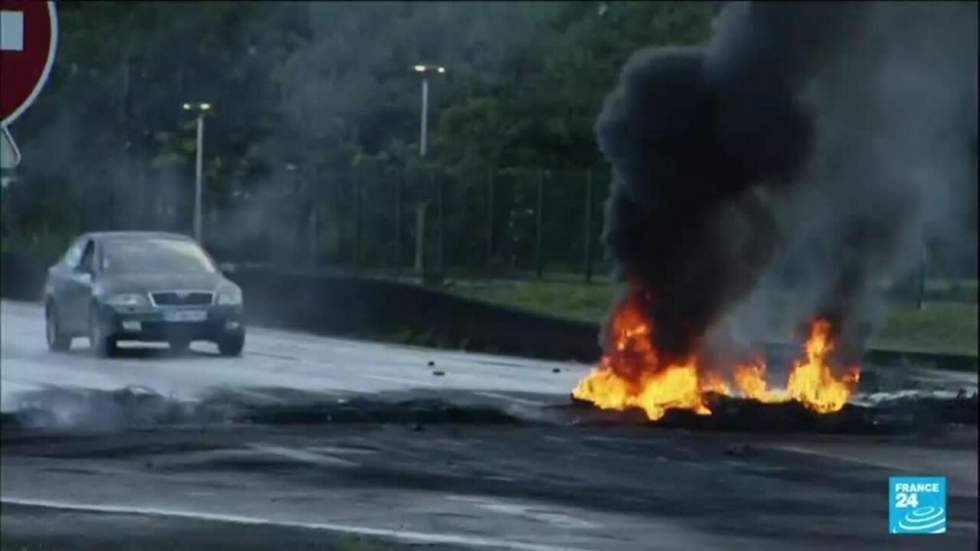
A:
{"x":826,"y":135}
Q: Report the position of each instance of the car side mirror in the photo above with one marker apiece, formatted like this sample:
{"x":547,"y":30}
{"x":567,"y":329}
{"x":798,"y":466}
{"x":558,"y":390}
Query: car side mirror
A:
{"x":226,"y":268}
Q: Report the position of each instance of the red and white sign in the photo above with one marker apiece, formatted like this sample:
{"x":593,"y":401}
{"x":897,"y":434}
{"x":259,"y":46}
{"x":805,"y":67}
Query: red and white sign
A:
{"x":28,"y":40}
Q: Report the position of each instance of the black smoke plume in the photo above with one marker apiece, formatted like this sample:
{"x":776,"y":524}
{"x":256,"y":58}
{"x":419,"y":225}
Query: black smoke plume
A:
{"x":718,"y":152}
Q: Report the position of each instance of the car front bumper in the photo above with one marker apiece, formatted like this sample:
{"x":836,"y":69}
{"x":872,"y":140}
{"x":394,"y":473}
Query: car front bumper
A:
{"x":156,"y":323}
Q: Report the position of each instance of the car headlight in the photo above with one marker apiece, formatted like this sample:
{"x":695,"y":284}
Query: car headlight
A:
{"x":128,"y":299}
{"x":230,"y":297}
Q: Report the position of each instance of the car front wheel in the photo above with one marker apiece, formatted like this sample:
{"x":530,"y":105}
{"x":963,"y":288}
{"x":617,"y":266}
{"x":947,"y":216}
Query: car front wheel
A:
{"x":57,"y":341}
{"x":231,"y":345}
{"x":179,"y":345}
{"x":103,"y":346}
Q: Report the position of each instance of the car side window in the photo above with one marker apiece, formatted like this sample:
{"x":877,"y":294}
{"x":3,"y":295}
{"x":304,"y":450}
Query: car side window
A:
{"x":74,"y":253}
{"x":88,"y":258}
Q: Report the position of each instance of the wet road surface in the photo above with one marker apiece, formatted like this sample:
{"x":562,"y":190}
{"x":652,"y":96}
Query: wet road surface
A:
{"x":525,"y":480}
{"x":272,"y":359}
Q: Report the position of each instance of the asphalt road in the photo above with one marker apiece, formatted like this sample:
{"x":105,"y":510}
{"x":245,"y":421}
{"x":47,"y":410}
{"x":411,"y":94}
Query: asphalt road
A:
{"x":276,"y":360}
{"x":514,"y":483}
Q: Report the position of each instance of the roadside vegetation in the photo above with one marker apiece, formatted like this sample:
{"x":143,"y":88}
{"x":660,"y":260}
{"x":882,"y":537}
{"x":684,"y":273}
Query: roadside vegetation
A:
{"x":946,"y":323}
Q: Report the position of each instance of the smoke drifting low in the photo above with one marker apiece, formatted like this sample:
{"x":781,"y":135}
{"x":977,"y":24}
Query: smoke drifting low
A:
{"x":833,"y":136}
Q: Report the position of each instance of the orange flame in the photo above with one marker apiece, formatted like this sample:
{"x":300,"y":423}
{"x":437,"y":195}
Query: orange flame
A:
{"x":751,"y":380}
{"x":675,"y":387}
{"x":812,"y":382}
{"x":712,"y":382}
{"x":630,"y":376}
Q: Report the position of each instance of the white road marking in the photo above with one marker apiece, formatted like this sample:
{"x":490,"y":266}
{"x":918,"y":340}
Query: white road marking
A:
{"x":522,"y":401}
{"x":341,"y":450}
{"x":526,"y":511}
{"x":864,"y":462}
{"x":261,"y":396}
{"x":303,"y":455}
{"x":401,"y":380}
{"x":11,"y":31}
{"x":270,"y":355}
{"x":402,"y":535}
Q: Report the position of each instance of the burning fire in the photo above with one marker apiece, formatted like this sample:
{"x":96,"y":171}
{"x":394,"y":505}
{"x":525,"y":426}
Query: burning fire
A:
{"x":631,"y":376}
{"x":624,"y":378}
{"x":811,"y":381}
{"x":751,"y":381}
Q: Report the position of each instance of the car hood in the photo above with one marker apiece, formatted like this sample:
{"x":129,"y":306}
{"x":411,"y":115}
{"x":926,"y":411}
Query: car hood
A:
{"x":144,"y":283}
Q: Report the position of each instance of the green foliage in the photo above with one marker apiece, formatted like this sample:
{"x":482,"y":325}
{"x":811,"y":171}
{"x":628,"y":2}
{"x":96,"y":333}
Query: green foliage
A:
{"x":309,"y":97}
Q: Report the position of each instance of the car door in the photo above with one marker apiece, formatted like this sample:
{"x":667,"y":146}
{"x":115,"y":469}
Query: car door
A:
{"x":77,"y":289}
{"x":59,"y":276}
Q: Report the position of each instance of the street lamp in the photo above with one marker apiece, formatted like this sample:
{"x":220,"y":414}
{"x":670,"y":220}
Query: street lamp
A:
{"x":424,"y":70}
{"x":201,"y":109}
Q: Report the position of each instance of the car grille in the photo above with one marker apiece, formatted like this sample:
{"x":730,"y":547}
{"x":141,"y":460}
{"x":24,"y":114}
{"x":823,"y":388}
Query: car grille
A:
{"x":182,"y":298}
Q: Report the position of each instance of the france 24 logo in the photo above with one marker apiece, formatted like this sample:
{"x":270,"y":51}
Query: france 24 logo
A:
{"x":917,"y":504}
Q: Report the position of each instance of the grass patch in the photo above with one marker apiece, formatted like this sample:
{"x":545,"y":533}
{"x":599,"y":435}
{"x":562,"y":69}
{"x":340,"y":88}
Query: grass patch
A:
{"x":952,"y":289}
{"x":565,"y":300}
{"x":359,"y":543}
{"x":940,"y":327}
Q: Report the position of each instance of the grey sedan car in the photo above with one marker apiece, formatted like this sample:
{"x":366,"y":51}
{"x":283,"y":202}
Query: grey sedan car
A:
{"x":141,"y":286}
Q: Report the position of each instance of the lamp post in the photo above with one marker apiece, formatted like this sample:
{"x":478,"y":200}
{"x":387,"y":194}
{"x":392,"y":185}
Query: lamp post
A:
{"x":201,"y":109}
{"x":425,"y":70}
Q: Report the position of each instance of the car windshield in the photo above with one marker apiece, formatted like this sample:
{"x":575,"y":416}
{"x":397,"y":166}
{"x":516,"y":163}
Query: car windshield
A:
{"x":125,"y":256}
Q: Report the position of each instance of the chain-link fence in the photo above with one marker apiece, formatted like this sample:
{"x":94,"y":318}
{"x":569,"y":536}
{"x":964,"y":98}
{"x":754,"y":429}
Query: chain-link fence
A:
{"x":376,"y":218}
{"x":501,"y":223}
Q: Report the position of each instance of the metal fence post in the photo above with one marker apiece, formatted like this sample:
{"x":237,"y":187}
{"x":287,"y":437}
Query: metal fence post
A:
{"x":538,"y":235}
{"x":314,"y":234}
{"x":357,"y":218}
{"x":420,"y":262}
{"x":398,"y":220}
{"x":588,"y":225}
{"x":490,"y":217}
{"x":923,"y":274}
{"x":440,"y":185}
